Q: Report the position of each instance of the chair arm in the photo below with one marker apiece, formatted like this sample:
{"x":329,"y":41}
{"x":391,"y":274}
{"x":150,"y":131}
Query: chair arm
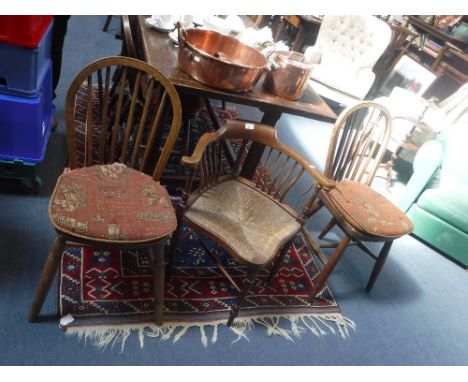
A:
{"x":322,"y":181}
{"x":313,"y":54}
{"x":427,"y":161}
{"x":232,"y":128}
{"x":260,"y":133}
{"x":203,"y":142}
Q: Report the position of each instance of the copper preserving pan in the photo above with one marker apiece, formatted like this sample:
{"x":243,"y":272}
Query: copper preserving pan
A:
{"x":220,"y":61}
{"x":290,"y":79}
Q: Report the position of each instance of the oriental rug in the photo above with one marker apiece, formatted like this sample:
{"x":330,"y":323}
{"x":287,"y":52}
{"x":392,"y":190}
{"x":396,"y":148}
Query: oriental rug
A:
{"x":104,"y":296}
{"x":109,"y":294}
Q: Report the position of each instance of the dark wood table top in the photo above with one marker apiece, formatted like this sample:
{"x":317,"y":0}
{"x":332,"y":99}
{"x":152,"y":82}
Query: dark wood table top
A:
{"x":158,"y":50}
{"x":416,"y":21}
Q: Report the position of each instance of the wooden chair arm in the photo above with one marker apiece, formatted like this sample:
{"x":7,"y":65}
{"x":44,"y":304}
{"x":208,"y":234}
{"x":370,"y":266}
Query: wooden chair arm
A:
{"x":193,"y":160}
{"x":322,"y":181}
{"x":261,"y":133}
{"x":231,"y":129}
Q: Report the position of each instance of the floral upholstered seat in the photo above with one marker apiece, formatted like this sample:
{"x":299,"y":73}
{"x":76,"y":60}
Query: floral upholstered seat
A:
{"x":368,"y":211}
{"x":111,"y":203}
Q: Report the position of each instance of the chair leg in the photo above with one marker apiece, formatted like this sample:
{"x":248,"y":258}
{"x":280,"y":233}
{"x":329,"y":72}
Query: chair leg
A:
{"x":249,"y":282}
{"x":389,"y":166}
{"x":186,"y":141}
{"x":107,"y":23}
{"x":175,"y":242}
{"x":327,"y":228}
{"x":48,"y":273}
{"x":331,"y":263}
{"x":158,"y":282}
{"x":279,"y":261}
{"x":317,"y":206}
{"x":379,"y":264}
{"x":280,"y":31}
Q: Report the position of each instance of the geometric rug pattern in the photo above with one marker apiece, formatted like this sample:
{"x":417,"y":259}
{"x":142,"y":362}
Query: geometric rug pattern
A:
{"x":112,"y":289}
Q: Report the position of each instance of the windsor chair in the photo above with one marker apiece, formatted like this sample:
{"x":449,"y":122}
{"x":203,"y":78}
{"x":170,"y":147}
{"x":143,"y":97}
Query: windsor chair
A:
{"x":358,"y":143}
{"x":105,"y":199}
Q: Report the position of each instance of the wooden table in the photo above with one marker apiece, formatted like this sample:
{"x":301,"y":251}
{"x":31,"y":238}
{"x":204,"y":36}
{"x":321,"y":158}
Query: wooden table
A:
{"x":157,"y":49}
{"x":450,"y":59}
{"x":436,"y":32}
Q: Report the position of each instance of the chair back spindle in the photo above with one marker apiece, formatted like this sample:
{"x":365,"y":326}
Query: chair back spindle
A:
{"x":136,"y":125}
{"x":212,"y":165}
{"x":358,"y":143}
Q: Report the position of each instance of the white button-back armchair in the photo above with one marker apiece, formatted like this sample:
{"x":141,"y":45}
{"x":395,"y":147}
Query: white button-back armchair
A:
{"x":346,"y":49}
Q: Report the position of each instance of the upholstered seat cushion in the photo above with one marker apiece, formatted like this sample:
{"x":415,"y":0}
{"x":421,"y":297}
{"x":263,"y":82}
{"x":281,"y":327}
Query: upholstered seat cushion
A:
{"x":251,"y":225}
{"x":343,"y":79}
{"x":111,"y":203}
{"x":368,"y":211}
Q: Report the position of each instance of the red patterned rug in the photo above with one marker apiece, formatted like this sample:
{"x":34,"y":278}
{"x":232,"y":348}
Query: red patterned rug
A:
{"x":105,"y":295}
{"x":109,"y":294}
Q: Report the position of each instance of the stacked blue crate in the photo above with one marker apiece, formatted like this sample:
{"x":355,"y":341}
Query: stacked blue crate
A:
{"x":26,"y":108}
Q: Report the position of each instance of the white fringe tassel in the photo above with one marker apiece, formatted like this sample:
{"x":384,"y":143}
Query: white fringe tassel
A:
{"x":319,"y":325}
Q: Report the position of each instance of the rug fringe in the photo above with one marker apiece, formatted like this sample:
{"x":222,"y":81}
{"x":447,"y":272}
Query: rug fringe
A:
{"x":318,"y":324}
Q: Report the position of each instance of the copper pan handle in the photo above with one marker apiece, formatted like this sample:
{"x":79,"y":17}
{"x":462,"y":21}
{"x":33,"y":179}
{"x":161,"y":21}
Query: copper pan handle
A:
{"x":190,"y":55}
{"x":182,"y":34}
{"x":268,"y":49}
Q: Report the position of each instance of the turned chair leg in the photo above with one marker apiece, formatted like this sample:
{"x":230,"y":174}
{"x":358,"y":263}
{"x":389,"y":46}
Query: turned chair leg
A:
{"x":174,"y":245}
{"x":379,"y":264}
{"x":279,"y":261}
{"x":107,"y":23}
{"x":317,"y":206}
{"x":329,"y":266}
{"x":158,"y":282}
{"x":179,"y":209}
{"x":186,"y":141}
{"x":249,"y":282}
{"x":47,"y":275}
{"x":327,"y":228}
{"x":389,"y":166}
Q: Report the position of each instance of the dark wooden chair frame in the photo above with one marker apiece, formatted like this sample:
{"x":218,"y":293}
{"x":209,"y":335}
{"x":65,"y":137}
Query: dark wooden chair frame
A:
{"x":129,"y":47}
{"x":107,"y":23}
{"x":115,"y":140}
{"x":207,"y":170}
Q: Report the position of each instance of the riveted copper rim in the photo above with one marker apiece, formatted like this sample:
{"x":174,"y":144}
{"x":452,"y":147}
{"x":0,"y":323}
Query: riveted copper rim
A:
{"x":220,"y":61}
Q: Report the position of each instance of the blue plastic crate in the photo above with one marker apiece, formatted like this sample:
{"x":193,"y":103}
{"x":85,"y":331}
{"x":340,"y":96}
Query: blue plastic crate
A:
{"x":22,"y":70}
{"x":25,"y":124}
